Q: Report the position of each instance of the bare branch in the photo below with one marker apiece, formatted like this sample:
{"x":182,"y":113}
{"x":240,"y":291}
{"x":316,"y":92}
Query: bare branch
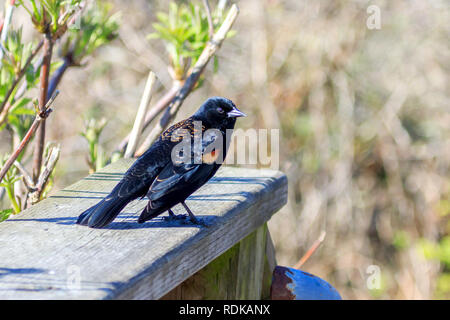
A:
{"x":27,"y":179}
{"x":209,"y":51}
{"x":44,"y":81}
{"x":311,"y":250}
{"x":34,"y":191}
{"x":51,"y":100}
{"x":4,"y":113}
{"x":37,"y":121}
{"x":154,"y":111}
{"x":209,"y":18}
{"x":142,"y":110}
{"x":50,"y":164}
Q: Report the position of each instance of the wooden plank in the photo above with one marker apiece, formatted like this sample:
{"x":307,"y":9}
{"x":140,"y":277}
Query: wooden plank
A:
{"x":216,"y":281}
{"x":251,"y":265}
{"x":45,"y":255}
{"x":270,"y":263}
{"x":239,"y":273}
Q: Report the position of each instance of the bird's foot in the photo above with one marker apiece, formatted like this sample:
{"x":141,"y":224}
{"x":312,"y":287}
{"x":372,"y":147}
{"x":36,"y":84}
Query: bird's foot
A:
{"x":176,"y":217}
{"x":192,"y":217}
{"x":185,"y":219}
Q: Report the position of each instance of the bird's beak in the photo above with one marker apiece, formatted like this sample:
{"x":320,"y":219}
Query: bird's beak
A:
{"x":234,"y":113}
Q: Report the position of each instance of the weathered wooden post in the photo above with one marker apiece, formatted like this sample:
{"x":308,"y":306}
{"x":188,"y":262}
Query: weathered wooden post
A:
{"x":45,"y":255}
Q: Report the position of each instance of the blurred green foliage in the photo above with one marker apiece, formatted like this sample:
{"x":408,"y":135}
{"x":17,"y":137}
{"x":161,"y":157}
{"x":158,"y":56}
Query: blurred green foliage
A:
{"x":439,"y":251}
{"x":50,"y":14}
{"x":96,"y":157}
{"x":4,"y":214}
{"x":401,"y":240}
{"x":8,"y":182}
{"x":376,"y":180}
{"x":185,"y":32}
{"x":12,"y":63}
{"x":97,"y":26}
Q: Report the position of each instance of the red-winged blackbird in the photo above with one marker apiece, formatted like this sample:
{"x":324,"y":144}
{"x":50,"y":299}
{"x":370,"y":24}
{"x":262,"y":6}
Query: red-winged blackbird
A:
{"x":168,"y":177}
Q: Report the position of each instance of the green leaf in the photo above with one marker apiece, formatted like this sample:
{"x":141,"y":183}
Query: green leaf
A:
{"x":153,"y":35}
{"x":18,"y":107}
{"x":98,"y":26}
{"x":4,"y":214}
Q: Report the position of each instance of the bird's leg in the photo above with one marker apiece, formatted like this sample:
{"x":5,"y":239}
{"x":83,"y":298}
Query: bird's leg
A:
{"x":173,"y":216}
{"x":191,"y":215}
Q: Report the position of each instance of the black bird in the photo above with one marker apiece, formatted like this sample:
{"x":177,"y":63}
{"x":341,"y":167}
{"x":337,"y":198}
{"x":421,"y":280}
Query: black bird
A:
{"x":172,"y":169}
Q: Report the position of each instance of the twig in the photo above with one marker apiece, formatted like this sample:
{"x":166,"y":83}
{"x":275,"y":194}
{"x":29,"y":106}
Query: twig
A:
{"x":50,"y":163}
{"x":49,"y":166}
{"x":162,"y":103}
{"x":156,"y":109}
{"x":142,"y":110}
{"x":4,"y":113}
{"x":54,"y":82}
{"x":23,"y":88}
{"x":5,"y":27}
{"x":50,"y":101}
{"x":40,"y":136}
{"x":311,"y":250}
{"x":27,"y":179}
{"x":209,"y":51}
{"x":37,"y":121}
{"x":209,"y":18}
{"x":34,"y":191}
{"x":21,"y":74}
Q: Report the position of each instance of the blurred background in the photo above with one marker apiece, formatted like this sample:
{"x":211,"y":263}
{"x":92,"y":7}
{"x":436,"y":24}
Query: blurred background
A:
{"x":360,"y":93}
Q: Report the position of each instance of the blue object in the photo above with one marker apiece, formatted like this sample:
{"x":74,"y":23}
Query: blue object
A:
{"x":293,"y":284}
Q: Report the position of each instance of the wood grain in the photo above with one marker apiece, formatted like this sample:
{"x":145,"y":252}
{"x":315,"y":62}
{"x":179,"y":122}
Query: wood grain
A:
{"x":45,"y":255}
{"x":242,"y":272}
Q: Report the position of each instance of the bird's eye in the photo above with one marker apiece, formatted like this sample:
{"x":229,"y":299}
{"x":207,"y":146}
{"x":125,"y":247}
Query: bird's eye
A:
{"x":220,"y":110}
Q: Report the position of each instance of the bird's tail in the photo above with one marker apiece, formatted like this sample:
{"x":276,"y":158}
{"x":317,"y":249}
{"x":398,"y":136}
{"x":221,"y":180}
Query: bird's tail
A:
{"x":103,"y":212}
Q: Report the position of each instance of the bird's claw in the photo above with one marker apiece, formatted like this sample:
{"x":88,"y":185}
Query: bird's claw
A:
{"x":185,"y":219}
{"x":176,"y":217}
{"x":199,"y":222}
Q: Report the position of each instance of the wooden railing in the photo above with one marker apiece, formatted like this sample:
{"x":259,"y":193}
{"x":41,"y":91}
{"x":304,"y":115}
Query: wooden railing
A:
{"x":45,"y":255}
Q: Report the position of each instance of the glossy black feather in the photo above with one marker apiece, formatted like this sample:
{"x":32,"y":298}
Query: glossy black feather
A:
{"x":166,"y":183}
{"x":176,"y":182}
{"x":135,"y":182}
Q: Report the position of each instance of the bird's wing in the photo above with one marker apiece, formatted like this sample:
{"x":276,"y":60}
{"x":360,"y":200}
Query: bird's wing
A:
{"x":137,"y":180}
{"x":176,"y":176}
{"x":141,"y":174}
{"x":145,"y":169}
